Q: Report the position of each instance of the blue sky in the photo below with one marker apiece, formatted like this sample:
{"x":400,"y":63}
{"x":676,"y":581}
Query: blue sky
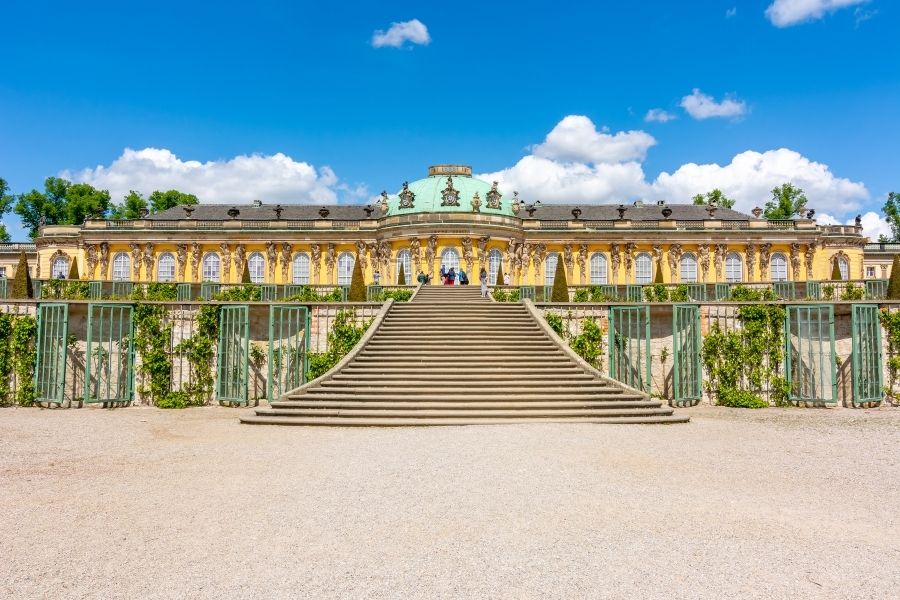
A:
{"x":294,"y":101}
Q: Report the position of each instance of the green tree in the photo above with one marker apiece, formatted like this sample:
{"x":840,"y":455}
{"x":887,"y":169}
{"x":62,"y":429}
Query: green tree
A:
{"x":892,"y":216}
{"x":658,"y":278}
{"x":835,"y":271}
{"x":560,"y":291}
{"x":160,"y":201}
{"x":786,"y":202}
{"x":245,"y":276}
{"x":893,"y":291}
{"x":132,"y":207}
{"x":401,"y":276}
{"x":6,"y":202}
{"x":21,"y":285}
{"x":84,"y":201}
{"x":357,"y":291}
{"x":499,"y":280}
{"x":61,"y":203}
{"x":73,"y":270}
{"x":715,"y":197}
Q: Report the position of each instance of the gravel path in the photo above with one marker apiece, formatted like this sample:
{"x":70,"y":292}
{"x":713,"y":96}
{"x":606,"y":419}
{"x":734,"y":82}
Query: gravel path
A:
{"x":143,"y":503}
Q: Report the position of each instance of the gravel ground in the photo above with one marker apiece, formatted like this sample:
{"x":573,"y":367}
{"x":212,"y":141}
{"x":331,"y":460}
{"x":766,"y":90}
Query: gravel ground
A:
{"x":143,"y":503}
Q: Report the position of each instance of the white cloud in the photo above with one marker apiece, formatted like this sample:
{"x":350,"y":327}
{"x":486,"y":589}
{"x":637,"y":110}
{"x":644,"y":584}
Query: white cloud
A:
{"x":701,"y":106}
{"x":414,"y":32}
{"x":270,"y":178}
{"x":658,"y":115}
{"x":784,"y":13}
{"x":748,"y":178}
{"x":873,"y":224}
{"x":575,"y":138}
{"x":731,"y":12}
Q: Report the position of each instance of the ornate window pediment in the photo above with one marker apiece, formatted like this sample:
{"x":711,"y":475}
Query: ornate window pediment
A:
{"x":450,"y":195}
{"x":493,"y":197}
{"x":406,"y":196}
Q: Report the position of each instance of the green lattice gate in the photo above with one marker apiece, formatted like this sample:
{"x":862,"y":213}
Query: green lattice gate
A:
{"x":109,"y":354}
{"x":866,"y":354}
{"x":50,"y":345}
{"x":288,"y":343}
{"x":232,"y":365}
{"x":629,"y":345}
{"x":809,"y":353}
{"x":687,"y":374}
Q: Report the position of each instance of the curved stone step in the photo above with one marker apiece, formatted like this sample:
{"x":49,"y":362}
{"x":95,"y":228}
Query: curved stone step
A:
{"x":345,"y":421}
{"x":415,"y":404}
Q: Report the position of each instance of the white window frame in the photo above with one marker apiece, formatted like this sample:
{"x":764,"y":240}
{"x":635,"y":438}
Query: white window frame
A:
{"x":211,"y":268}
{"x":844,"y":268}
{"x":345,"y":263}
{"x":121,"y":267}
{"x":778,"y":267}
{"x":59,"y":268}
{"x":165,"y":267}
{"x":599,"y":269}
{"x":733,"y":261}
{"x":643,"y":269}
{"x":300,"y":268}
{"x":256,"y":264}
{"x":550,"y":263}
{"x":495,"y":258}
{"x":687,"y":268}
{"x":404,"y":258}
{"x":450,"y":258}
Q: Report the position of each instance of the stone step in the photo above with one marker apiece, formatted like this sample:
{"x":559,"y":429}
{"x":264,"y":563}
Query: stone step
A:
{"x":450,"y":396}
{"x":477,"y":370}
{"x":547,"y":363}
{"x":480,"y":412}
{"x":401,"y":386}
{"x":488,"y":378}
{"x":290,"y":404}
{"x":345,"y":421}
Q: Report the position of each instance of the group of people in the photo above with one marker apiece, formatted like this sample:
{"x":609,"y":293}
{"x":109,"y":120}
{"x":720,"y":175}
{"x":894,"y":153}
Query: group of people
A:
{"x":452,"y":277}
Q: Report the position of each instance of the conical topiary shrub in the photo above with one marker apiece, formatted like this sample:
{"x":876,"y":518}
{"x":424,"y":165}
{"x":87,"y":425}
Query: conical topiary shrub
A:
{"x":560,"y":291}
{"x":245,"y":276}
{"x":658,"y":278}
{"x":73,"y":271}
{"x":893,"y":290}
{"x":499,"y":280}
{"x":21,"y":285}
{"x":357,"y":291}
{"x":401,"y":276}
{"x":835,"y":271}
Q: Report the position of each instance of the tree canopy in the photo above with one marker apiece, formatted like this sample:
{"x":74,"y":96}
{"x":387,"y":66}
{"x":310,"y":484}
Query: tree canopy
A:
{"x":715,"y":197}
{"x":132,"y":207}
{"x":786,"y":202}
{"x":160,"y":201}
{"x":61,"y":203}
{"x":892,"y":216}
{"x":6,"y":201}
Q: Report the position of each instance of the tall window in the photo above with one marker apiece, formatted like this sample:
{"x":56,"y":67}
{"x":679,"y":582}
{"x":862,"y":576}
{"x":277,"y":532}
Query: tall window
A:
{"x":734,"y":268}
{"x":550,"y":267}
{"x":211,"y":267}
{"x":844,"y":268}
{"x":301,"y":268}
{"x":121,"y":267}
{"x":598,"y":268}
{"x":494,"y":260}
{"x":165,"y":268}
{"x":404,"y":259}
{"x":643,"y":268}
{"x":688,"y":268}
{"x":778,"y":265}
{"x":256,"y":264}
{"x":450,"y":258}
{"x":60,"y":267}
{"x":345,"y":268}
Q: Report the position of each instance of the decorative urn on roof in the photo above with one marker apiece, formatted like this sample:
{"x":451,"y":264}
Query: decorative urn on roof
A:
{"x":324,"y":212}
{"x":188,"y":210}
{"x":493,"y":197}
{"x":516,"y":205}
{"x":576,"y":212}
{"x":476,"y":203}
{"x":383,"y":202}
{"x":278,"y":210}
{"x":233,"y":212}
{"x":621,"y":210}
{"x":757,"y":212}
{"x":666,"y":212}
{"x":450,"y":196}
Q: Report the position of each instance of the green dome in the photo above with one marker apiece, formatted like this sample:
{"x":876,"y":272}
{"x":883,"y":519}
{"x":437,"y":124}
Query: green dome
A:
{"x":429,"y":194}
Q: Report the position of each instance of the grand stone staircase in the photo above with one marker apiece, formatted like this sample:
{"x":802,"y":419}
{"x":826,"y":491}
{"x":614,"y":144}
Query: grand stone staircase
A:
{"x":450,"y":357}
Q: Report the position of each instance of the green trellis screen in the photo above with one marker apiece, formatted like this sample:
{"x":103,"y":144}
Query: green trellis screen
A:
{"x":232,"y":364}
{"x":50,"y":345}
{"x":109,"y":355}
{"x":288,"y":344}
{"x":629,"y":345}
{"x":866,"y":353}
{"x":687,"y":372}
{"x":809,"y":353}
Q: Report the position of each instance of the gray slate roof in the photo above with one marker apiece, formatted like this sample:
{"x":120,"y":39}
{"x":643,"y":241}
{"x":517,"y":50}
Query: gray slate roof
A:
{"x":348,"y":212}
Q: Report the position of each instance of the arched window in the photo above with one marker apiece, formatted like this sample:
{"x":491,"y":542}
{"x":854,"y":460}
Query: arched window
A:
{"x":211,"y":267}
{"x":59,"y":269}
{"x":256,"y":264}
{"x":345,"y":264}
{"x":165,"y":268}
{"x":301,"y":268}
{"x":778,"y":265}
{"x":404,"y":259}
{"x":550,"y":267}
{"x":450,"y":259}
{"x":494,"y":260}
{"x":643,"y":268}
{"x":844,"y":268}
{"x":121,"y":267}
{"x":688,"y":267}
{"x":598,"y":268}
{"x":734,"y":268}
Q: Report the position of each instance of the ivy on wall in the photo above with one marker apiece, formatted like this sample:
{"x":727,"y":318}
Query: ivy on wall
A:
{"x":344,"y":335}
{"x":891,"y":323}
{"x":588,"y":344}
{"x":17,"y":357}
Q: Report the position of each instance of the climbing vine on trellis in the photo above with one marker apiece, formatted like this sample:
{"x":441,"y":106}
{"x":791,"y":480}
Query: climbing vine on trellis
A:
{"x":17,"y":358}
{"x":891,"y":323}
{"x":588,"y":343}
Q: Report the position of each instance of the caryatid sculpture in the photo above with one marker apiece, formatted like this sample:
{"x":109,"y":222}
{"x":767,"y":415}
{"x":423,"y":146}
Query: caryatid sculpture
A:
{"x":315,"y":252}
{"x":226,"y":261}
{"x":286,"y":250}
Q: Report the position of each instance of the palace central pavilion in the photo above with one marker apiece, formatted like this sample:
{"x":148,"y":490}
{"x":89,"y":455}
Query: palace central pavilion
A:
{"x":453,"y":219}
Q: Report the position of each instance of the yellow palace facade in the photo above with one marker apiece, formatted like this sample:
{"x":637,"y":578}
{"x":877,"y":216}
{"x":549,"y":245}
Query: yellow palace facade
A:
{"x":451,"y":219}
